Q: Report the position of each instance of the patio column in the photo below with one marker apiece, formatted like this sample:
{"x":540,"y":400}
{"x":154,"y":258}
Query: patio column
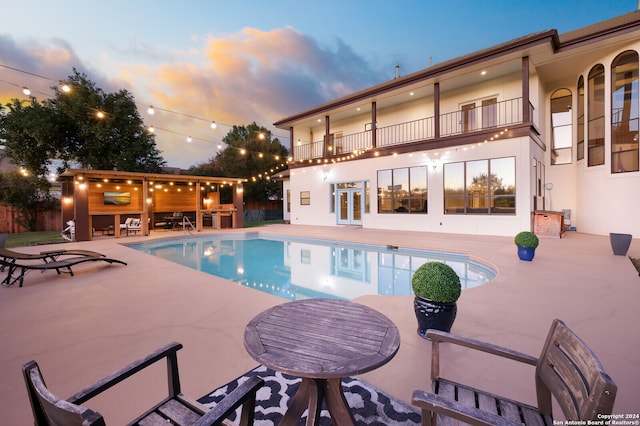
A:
{"x":436,"y":110}
{"x":292,"y":154}
{"x":146,"y":207}
{"x":238,"y":203}
{"x":374,"y":113}
{"x":81,"y":210}
{"x":526,"y":113}
{"x":325,"y":148}
{"x":199,"y":202}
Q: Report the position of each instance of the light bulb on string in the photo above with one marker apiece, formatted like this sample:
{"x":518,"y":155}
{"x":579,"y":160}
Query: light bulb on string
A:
{"x":26,"y":91}
{"x":189,"y":139}
{"x":151,"y":111}
{"x":213,"y":125}
{"x":151,"y":129}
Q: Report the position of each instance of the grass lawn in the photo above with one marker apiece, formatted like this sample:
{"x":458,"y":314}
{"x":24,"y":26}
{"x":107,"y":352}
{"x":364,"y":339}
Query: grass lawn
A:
{"x":33,"y":238}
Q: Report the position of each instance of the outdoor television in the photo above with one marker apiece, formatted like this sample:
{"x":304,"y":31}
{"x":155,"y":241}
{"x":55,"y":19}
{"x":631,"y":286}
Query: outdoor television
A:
{"x":117,"y":198}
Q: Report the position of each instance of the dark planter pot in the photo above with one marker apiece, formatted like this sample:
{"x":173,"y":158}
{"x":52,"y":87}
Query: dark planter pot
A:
{"x":620,"y":243}
{"x":526,"y":253}
{"x":432,"y":314}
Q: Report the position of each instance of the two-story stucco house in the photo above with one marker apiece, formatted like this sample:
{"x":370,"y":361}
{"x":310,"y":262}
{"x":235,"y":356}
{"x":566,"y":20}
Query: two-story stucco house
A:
{"x":479,"y":143}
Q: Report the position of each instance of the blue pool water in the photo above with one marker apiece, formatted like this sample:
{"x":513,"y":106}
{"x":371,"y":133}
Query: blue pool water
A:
{"x":298,"y":268}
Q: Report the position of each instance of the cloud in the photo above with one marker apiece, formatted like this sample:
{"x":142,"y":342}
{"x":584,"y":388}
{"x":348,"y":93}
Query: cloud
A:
{"x":238,"y":78}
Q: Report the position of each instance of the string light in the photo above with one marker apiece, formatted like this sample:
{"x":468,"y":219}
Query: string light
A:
{"x":151,"y":111}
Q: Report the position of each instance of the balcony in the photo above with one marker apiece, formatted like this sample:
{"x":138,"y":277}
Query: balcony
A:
{"x":495,"y":115}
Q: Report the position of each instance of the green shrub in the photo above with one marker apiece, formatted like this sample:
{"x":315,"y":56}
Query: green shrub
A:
{"x":437,"y":282}
{"x":526,"y":239}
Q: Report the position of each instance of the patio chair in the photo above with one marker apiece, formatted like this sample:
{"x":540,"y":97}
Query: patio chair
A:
{"x":566,"y":369}
{"x":131,"y":224}
{"x":175,"y":409}
{"x":58,"y":265}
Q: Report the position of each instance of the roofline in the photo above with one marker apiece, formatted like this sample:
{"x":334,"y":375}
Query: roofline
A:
{"x":116,"y":174}
{"x":431,"y":72}
{"x":571,"y":39}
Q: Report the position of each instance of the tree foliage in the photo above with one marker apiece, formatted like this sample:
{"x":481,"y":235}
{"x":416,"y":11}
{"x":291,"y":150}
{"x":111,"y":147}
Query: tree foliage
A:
{"x":251,"y":153}
{"x":67,"y":128}
{"x":28,"y":195}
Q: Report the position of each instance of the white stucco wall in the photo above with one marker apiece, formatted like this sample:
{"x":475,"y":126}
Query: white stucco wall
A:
{"x":316,"y":179}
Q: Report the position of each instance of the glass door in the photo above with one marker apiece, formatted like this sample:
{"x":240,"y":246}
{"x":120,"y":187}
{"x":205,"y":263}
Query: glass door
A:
{"x":350,"y":206}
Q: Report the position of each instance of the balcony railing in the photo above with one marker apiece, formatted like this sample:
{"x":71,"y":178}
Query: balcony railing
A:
{"x":498,"y":114}
{"x":410,"y":131}
{"x":489,"y":116}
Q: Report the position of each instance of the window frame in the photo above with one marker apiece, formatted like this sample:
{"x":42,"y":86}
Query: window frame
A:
{"x":565,"y":95}
{"x":462,"y":195}
{"x":624,"y":141}
{"x":402,"y":204}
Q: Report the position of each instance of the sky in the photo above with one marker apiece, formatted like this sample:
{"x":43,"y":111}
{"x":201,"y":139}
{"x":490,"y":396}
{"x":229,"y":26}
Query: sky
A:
{"x":243,"y":61}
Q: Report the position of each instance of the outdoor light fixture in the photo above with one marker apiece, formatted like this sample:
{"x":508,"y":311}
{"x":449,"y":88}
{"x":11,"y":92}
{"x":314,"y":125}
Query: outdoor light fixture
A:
{"x":26,"y":91}
{"x":151,"y":111}
{"x":213,"y":125}
{"x":65,"y":87}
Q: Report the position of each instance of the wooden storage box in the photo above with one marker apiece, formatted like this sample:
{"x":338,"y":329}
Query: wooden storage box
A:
{"x":548,"y":224}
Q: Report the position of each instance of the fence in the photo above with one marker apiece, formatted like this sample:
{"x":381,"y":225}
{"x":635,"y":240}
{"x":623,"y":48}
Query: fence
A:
{"x":47,"y":221}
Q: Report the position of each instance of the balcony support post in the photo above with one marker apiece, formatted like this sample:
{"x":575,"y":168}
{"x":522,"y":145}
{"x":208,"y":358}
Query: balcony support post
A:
{"x":526,"y":116}
{"x":374,"y":119}
{"x":325,"y":148}
{"x":436,"y":110}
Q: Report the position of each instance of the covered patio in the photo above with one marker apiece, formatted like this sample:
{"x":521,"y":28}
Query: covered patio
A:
{"x":84,"y":327}
{"x":101,"y":201}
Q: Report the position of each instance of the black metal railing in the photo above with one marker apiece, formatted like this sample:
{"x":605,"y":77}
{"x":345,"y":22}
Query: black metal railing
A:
{"x":498,"y":114}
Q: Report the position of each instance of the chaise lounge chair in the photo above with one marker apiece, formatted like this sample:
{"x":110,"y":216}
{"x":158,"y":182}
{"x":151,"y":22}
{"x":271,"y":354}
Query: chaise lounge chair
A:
{"x":46,"y":256}
{"x":58,"y":265}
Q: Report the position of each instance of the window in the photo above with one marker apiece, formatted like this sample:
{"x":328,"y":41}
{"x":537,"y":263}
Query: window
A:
{"x":481,"y":186}
{"x":624,"y":113}
{"x":402,"y":190}
{"x":580,"y":140}
{"x":595,"y":132}
{"x":305,"y":198}
{"x":562,"y":127}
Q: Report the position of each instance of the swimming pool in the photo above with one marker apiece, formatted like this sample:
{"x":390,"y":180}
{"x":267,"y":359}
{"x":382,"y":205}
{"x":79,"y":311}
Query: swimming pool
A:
{"x":299,"y":268}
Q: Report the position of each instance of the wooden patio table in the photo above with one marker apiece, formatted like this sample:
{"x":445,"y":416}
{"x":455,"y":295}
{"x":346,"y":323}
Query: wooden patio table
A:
{"x":321,"y":341}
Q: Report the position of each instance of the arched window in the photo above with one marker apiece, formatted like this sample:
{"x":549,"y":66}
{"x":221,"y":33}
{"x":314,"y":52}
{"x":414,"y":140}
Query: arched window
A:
{"x":595,"y":112}
{"x":624,"y":113}
{"x":580,"y":139}
{"x":562,"y":127}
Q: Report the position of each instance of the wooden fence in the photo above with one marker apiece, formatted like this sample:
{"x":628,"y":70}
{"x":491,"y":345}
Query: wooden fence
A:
{"x":47,"y":221}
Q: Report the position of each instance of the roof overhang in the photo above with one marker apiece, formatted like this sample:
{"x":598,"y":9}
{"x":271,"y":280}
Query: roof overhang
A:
{"x":159,"y":177}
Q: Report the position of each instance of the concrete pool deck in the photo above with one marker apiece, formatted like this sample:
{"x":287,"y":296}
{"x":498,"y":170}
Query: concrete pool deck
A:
{"x":82,"y":328}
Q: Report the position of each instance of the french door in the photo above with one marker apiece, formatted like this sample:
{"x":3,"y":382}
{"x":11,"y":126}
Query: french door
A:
{"x":350,"y":206}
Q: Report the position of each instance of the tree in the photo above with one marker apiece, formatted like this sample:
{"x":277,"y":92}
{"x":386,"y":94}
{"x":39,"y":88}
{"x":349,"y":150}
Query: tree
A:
{"x":253,"y":155}
{"x":28,"y":195}
{"x":67,"y":128}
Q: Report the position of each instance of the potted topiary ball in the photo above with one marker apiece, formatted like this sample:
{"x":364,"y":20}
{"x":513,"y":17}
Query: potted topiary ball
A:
{"x":527,"y":242}
{"x":437,"y":289}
